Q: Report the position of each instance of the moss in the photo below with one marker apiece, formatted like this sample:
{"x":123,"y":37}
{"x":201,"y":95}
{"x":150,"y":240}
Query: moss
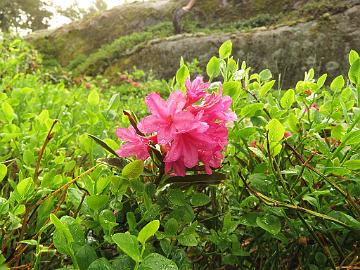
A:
{"x":102,"y":58}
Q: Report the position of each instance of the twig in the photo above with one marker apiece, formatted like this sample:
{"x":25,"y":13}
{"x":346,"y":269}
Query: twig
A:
{"x":20,"y":249}
{"x":49,"y":136}
{"x":272,"y":202}
{"x":347,"y":196}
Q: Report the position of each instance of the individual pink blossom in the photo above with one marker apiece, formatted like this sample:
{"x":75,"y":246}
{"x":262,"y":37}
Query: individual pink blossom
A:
{"x":168,"y":118}
{"x":185,"y":149}
{"x":135,"y":145}
{"x":178,"y":167}
{"x":287,"y":134}
{"x":211,"y":159}
{"x":195,"y":89}
{"x":216,"y":107}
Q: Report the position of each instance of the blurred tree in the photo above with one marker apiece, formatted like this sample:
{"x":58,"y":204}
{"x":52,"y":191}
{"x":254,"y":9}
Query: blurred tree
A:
{"x":75,"y":12}
{"x":24,"y":14}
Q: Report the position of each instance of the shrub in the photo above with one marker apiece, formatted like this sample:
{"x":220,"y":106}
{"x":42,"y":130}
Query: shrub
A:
{"x":285,"y":196}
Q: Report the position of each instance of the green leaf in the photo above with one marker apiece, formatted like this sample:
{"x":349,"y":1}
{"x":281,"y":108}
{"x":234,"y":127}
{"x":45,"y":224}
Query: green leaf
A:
{"x":103,"y":144}
{"x":4,"y":206}
{"x":97,"y":202}
{"x":225,"y":49}
{"x":213,"y":67}
{"x":19,"y":209}
{"x":250,"y":109}
{"x":337,"y":84}
{"x":188,"y":238}
{"x":8,"y":111}
{"x":85,"y":255}
{"x":171,"y":227}
{"x":134,"y":169}
{"x":288,"y":99}
{"x":93,"y":98}
{"x":25,"y":186}
{"x":128,"y":244}
{"x":352,"y":164}
{"x":148,"y":231}
{"x":101,"y":264}
{"x":3,"y":171}
{"x":29,"y":242}
{"x":107,"y":220}
{"x":199,"y":199}
{"x":320,"y":82}
{"x":353,"y":137}
{"x":276,"y":130}
{"x":266,"y":88}
{"x":232,"y":89}
{"x":354,"y":72}
{"x":349,"y":220}
{"x":62,"y":236}
{"x":156,"y":261}
{"x":177,"y":197}
{"x":265,"y":75}
{"x":181,"y":74}
{"x":353,"y":56}
{"x":232,"y":66}
{"x":269,"y":223}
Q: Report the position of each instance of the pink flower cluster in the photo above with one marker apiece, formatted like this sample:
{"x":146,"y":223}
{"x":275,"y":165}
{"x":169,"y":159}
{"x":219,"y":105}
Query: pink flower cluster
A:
{"x":190,"y":128}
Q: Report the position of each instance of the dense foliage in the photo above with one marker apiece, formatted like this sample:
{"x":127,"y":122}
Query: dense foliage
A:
{"x":286,"y":196}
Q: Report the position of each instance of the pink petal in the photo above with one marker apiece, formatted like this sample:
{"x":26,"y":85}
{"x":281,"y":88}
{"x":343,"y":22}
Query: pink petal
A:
{"x":126,"y":134}
{"x":156,"y":105}
{"x":176,"y":102}
{"x":150,"y":124}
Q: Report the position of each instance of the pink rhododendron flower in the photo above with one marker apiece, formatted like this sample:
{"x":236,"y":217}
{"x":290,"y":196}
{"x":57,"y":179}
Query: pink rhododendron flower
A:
{"x":195,"y":89}
{"x":187,"y":133}
{"x":186,"y":147}
{"x":216,"y":107}
{"x":168,"y":118}
{"x":135,"y":145}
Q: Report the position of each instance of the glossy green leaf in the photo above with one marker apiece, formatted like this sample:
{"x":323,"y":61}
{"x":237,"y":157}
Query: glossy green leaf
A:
{"x":3,"y":171}
{"x":85,"y":255}
{"x":171,"y":227}
{"x":156,"y":261}
{"x":288,"y":99}
{"x":353,"y":56}
{"x":337,"y":84}
{"x":225,"y":49}
{"x":232,"y":89}
{"x":199,"y":199}
{"x":352,"y":164}
{"x":148,"y":231}
{"x":134,"y":169}
{"x":265,"y":75}
{"x":93,"y":98}
{"x":213,"y":67}
{"x":97,"y":202}
{"x":276,"y":130}
{"x":354,"y":72}
{"x":181,"y":75}
{"x":128,"y":244}
{"x":269,"y":223}
{"x":266,"y":88}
